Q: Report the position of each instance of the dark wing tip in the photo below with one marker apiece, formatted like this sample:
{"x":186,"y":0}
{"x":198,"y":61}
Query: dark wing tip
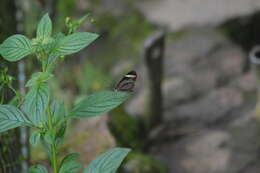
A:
{"x":132,"y":73}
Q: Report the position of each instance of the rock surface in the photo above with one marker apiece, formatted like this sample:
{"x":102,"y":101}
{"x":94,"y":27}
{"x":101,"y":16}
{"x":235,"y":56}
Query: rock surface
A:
{"x":178,"y":14}
{"x":209,"y":102}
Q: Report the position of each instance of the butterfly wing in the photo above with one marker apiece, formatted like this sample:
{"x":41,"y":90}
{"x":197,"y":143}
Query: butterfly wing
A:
{"x":127,"y":83}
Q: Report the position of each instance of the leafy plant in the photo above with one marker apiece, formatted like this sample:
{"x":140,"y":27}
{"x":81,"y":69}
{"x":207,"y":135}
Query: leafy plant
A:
{"x":49,"y":118}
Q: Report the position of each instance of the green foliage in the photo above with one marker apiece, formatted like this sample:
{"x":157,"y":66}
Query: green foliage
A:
{"x":64,"y":8}
{"x":11,"y":117}
{"x":5,"y":79}
{"x":96,"y":79}
{"x":50,"y":118}
{"x":38,"y":78}
{"x":98,"y":103}
{"x":37,"y":169}
{"x":44,"y":28}
{"x":58,"y":111}
{"x":107,"y":162}
{"x":5,"y":82}
{"x":69,"y":165}
{"x":75,"y":42}
{"x":49,"y":64}
{"x":132,"y":136}
{"x":73,"y":25}
{"x":137,"y":29}
{"x":49,"y":136}
{"x":16,"y":47}
{"x":36,"y":102}
{"x":35,"y":138}
{"x":141,"y":163}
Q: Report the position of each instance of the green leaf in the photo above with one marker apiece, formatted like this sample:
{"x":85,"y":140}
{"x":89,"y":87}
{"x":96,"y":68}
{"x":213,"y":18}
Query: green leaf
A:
{"x":58,"y":119}
{"x":59,"y":36}
{"x":107,"y":162}
{"x":73,"y":25}
{"x":49,"y":137}
{"x":50,"y":62}
{"x":75,"y":42}
{"x":16,"y":47}
{"x":11,"y":117}
{"x":38,"y":78}
{"x":60,"y":133}
{"x":36,"y":102}
{"x":43,"y":47}
{"x":70,"y":157}
{"x":83,"y":19}
{"x":37,"y":169}
{"x":58,"y":111}
{"x":46,"y":146}
{"x":44,"y":28}
{"x":98,"y":103}
{"x":35,"y":138}
{"x":69,"y":165}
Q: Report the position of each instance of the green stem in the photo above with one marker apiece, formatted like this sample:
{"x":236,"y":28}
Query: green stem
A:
{"x":53,"y":147}
{"x":54,"y":159}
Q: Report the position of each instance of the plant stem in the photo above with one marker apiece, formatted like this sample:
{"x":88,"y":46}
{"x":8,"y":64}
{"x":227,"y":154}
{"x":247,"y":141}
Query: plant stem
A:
{"x":54,"y":159}
{"x":53,"y":147}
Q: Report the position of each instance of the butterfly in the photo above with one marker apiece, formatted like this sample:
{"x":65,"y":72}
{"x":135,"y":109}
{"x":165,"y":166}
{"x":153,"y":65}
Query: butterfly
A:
{"x":127,"y":83}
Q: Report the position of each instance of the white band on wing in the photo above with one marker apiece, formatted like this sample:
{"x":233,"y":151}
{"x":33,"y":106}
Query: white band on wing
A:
{"x":130,"y":76}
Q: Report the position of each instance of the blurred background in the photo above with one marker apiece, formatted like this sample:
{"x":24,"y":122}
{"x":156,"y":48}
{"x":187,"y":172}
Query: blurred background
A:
{"x":194,"y":108}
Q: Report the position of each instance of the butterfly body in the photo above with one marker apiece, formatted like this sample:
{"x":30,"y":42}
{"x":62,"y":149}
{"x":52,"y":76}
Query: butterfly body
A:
{"x":127,"y":83}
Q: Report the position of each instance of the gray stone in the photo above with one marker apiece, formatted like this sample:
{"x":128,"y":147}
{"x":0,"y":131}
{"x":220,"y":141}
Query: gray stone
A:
{"x":175,"y":91}
{"x":208,"y":103}
{"x":199,"y":153}
{"x":178,"y":14}
{"x":212,"y":107}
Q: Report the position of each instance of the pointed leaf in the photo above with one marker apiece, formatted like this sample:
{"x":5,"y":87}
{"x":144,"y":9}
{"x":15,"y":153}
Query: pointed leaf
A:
{"x":69,"y":165}
{"x":58,"y":111}
{"x":60,"y":133}
{"x":70,"y":157}
{"x":50,"y":63}
{"x":49,"y":136}
{"x":16,"y":47}
{"x":107,"y":162}
{"x":38,"y":77}
{"x":98,"y":103}
{"x":44,"y":28}
{"x":36,"y":102}
{"x":35,"y":138}
{"x":75,"y":42}
{"x":37,"y":169}
{"x":11,"y":117}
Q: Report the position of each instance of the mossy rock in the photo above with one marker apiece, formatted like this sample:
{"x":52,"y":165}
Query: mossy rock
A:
{"x":141,"y":163}
{"x":126,"y":129}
